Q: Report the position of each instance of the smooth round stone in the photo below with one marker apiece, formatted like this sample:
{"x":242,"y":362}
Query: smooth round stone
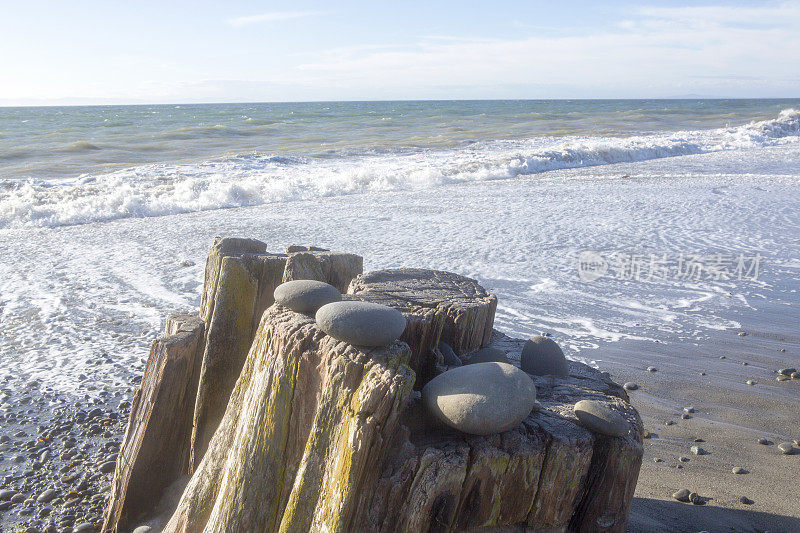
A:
{"x":652,"y":369}
{"x":361,"y":323}
{"x":738,"y":470}
{"x":305,"y":295}
{"x":541,"y":356}
{"x":765,"y":442}
{"x":697,"y":450}
{"x":795,"y":375}
{"x":481,"y":399}
{"x":143,"y":529}
{"x":786,"y":448}
{"x":682,"y":495}
{"x":599,"y":417}
{"x":787,"y":371}
{"x":450,"y":357}
{"x":630,"y":386}
{"x":487,"y":355}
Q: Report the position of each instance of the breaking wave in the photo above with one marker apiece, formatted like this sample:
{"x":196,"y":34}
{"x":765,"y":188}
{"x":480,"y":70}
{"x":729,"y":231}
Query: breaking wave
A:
{"x":254,"y":179}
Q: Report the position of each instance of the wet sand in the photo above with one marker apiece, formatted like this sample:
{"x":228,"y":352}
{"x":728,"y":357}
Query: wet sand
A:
{"x":730,"y":416}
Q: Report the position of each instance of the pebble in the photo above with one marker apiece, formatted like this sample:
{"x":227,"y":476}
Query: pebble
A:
{"x":745,"y":500}
{"x":361,"y":323}
{"x":751,"y":382}
{"x":487,"y":355}
{"x":305,"y":295}
{"x":481,"y":399}
{"x":541,"y":356}
{"x":696,"y":499}
{"x":652,"y":369}
{"x":85,"y":527}
{"x":765,"y":442}
{"x":786,"y":448}
{"x":795,"y":375}
{"x":743,"y":334}
{"x":599,"y":417}
{"x":682,"y":495}
{"x":688,"y":409}
{"x":450,"y":357}
{"x":685,"y":416}
{"x":630,"y":386}
{"x":699,"y":440}
{"x":143,"y":529}
{"x":658,"y":460}
{"x":46,"y":496}
{"x":787,"y":371}
{"x":646,"y":434}
{"x":683,"y":459}
{"x":6,"y":494}
{"x":782,"y":378}
{"x":669,"y":423}
{"x":697,"y":450}
{"x":18,"y":498}
{"x":738,"y":470}
{"x":108,"y":467}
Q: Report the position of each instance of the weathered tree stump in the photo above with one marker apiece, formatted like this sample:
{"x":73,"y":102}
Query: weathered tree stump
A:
{"x":437,"y":305}
{"x":320,"y":435}
{"x":155,"y":449}
{"x":239,"y":284}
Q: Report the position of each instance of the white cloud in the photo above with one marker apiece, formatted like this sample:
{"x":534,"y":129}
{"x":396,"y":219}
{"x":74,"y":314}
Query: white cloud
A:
{"x":271,"y":17}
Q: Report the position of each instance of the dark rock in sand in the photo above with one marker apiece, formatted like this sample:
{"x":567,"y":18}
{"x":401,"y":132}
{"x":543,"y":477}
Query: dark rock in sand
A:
{"x":765,"y":442}
{"x":738,"y":470}
{"x":787,"y":371}
{"x":481,"y":399}
{"x":107,"y":467}
{"x":745,"y":500}
{"x":305,"y":295}
{"x":630,"y":386}
{"x":696,"y":499}
{"x":487,"y":355}
{"x":361,"y":323}
{"x":541,"y":356}
{"x":697,"y":450}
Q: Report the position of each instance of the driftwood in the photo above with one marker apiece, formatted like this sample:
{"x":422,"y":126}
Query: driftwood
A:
{"x":155,"y":450}
{"x":320,"y":435}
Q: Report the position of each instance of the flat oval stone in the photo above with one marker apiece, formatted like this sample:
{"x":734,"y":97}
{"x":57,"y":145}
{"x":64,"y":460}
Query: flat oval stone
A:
{"x":599,"y":417}
{"x":305,"y":295}
{"x":481,"y":399}
{"x":541,"y":356}
{"x":361,"y":323}
{"x":487,"y":355}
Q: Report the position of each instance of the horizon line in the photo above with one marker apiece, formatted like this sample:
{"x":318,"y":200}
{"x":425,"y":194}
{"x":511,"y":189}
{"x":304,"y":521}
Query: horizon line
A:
{"x":254,"y":102}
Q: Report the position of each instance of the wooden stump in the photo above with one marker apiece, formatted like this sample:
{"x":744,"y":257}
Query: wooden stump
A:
{"x":239,"y":284}
{"x":437,"y":305}
{"x":155,"y":449}
{"x":320,"y":435}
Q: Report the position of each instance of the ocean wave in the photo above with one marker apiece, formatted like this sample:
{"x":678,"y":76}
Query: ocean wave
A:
{"x":254,"y":179}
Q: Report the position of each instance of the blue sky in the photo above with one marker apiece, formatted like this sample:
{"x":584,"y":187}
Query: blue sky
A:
{"x":151,"y":52}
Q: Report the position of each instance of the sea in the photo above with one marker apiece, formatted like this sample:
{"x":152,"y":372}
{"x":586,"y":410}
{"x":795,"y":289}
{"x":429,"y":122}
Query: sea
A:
{"x":596,"y":221}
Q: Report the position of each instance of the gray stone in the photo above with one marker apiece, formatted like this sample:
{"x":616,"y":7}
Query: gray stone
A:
{"x":652,"y":369}
{"x":787,"y":371}
{"x":683,"y":459}
{"x":18,"y":498}
{"x":46,"y":496}
{"x":361,"y":323}
{"x":450,"y":357}
{"x":599,"y":417}
{"x":765,"y":442}
{"x":487,"y":355}
{"x":305,"y":295}
{"x":107,"y":467}
{"x":541,"y":356}
{"x":682,"y":495}
{"x":143,"y":529}
{"x":6,"y":494}
{"x":738,"y":470}
{"x":481,"y":399}
{"x":786,"y":448}
{"x":750,"y":382}
{"x":745,"y":500}
{"x":697,"y":450}
{"x":696,"y":499}
{"x":630,"y":386}
{"x":688,"y":409}
{"x":782,"y":378}
{"x":795,"y":375}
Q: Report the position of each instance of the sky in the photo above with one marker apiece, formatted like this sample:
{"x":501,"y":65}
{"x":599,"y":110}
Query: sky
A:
{"x":84,"y":52}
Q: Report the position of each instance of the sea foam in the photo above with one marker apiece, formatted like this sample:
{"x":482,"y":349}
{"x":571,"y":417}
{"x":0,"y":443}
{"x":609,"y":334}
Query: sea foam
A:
{"x":254,"y":179}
